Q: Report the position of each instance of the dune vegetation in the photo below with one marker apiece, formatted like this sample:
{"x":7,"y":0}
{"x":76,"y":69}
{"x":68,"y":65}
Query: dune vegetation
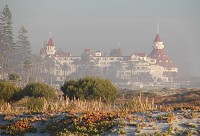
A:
{"x":39,"y":109}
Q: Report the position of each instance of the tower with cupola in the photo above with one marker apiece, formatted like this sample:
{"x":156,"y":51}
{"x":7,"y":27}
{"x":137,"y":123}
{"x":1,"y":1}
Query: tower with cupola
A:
{"x":50,"y":50}
{"x":162,"y":59}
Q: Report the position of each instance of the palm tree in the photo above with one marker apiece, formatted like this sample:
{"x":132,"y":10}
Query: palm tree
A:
{"x":37,"y":66}
{"x":87,"y":64}
{"x":49,"y":65}
{"x":65,"y":69}
{"x":132,"y":68}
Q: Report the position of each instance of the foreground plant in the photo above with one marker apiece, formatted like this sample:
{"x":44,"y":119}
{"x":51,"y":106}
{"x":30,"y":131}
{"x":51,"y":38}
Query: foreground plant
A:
{"x":20,"y":127}
{"x":83,"y":124}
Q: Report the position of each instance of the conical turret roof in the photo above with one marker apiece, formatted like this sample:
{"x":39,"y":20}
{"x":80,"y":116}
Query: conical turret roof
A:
{"x":158,"y":39}
{"x":162,"y":59}
{"x":50,"y":42}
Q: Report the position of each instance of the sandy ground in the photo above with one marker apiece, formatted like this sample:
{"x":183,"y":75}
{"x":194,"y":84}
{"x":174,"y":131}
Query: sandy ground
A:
{"x":180,"y":122}
{"x":150,"y":124}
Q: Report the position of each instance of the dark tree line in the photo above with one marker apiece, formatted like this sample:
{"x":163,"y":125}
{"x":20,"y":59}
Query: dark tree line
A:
{"x":16,"y":56}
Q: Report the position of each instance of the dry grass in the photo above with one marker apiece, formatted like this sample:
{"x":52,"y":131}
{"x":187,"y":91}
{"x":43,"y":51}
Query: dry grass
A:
{"x":20,"y":107}
{"x":136,"y":104}
{"x":140,"y":104}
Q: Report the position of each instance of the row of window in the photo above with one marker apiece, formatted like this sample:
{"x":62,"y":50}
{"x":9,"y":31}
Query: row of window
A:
{"x":108,"y":58}
{"x":165,"y":61}
{"x":160,"y":55}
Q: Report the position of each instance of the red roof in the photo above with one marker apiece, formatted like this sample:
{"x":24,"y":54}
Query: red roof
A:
{"x":140,"y":54}
{"x":87,"y":50}
{"x":120,"y":52}
{"x":162,"y":59}
{"x":43,"y":51}
{"x":50,"y":42}
{"x":61,"y":53}
{"x":158,"y":39}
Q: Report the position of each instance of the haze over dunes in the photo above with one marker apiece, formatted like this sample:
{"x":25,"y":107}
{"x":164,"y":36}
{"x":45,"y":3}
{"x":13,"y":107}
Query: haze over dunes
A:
{"x":101,"y":24}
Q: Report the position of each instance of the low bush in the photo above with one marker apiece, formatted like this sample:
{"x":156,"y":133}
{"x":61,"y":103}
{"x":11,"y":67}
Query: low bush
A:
{"x":36,"y":104}
{"x":8,"y":91}
{"x":91,"y":88}
{"x":39,"y":90}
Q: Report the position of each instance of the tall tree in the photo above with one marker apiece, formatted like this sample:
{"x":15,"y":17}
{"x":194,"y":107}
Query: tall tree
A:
{"x":6,"y":40}
{"x":23,"y":48}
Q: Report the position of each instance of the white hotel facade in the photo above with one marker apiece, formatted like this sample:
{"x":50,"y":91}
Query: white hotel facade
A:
{"x":139,"y":68}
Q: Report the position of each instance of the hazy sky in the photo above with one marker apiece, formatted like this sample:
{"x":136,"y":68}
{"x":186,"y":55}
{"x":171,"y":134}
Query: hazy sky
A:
{"x":100,"y":24}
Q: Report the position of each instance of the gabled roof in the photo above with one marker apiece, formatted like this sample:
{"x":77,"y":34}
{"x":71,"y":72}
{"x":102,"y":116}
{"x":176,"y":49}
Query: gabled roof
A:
{"x":116,"y":52}
{"x":120,"y":52}
{"x":43,"y":51}
{"x":87,"y":50}
{"x":50,"y":42}
{"x":158,"y":39}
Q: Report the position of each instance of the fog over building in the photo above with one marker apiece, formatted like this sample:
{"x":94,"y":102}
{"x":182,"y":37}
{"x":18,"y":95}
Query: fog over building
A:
{"x":99,"y":25}
{"x":139,"y":69}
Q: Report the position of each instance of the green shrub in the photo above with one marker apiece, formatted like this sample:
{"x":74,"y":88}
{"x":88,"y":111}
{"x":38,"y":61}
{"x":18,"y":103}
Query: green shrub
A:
{"x":36,"y":104}
{"x":39,"y":90}
{"x":1,"y":102}
{"x":14,"y":77}
{"x":90,"y":88}
{"x":8,"y":91}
